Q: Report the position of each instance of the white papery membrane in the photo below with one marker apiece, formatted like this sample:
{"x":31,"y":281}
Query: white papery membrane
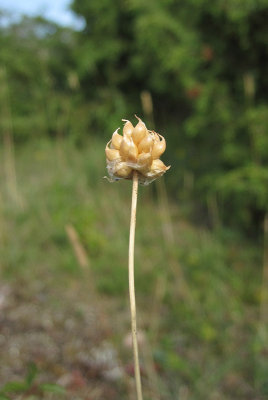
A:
{"x":113,"y":166}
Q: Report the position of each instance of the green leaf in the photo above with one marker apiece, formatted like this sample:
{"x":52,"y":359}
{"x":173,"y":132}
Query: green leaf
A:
{"x":15,"y":387}
{"x":31,"y":374}
{"x":52,"y":388}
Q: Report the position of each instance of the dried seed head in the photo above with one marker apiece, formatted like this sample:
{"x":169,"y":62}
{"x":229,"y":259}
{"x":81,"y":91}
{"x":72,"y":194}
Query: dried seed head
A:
{"x":138,"y":149}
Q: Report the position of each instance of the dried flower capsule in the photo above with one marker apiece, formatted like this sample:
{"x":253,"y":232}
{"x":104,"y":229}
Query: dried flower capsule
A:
{"x":146,"y":144}
{"x":144,"y":162}
{"x":139,"y":131}
{"x":116,"y":140}
{"x":123,"y":172}
{"x":158,"y":168}
{"x":159,"y":147}
{"x":128,"y":128}
{"x":145,"y":159}
{"x":137,"y":150}
{"x":112,"y":154}
{"x":128,"y":150}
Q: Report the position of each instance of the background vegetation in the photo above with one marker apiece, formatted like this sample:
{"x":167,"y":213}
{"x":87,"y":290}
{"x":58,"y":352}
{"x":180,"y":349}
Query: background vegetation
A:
{"x":196,"y":71}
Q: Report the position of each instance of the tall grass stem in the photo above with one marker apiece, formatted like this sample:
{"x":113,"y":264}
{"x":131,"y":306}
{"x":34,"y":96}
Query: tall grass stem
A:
{"x":132,"y":284}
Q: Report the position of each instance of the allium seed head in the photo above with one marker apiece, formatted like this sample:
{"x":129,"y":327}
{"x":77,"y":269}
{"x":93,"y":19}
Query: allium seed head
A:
{"x":138,"y":149}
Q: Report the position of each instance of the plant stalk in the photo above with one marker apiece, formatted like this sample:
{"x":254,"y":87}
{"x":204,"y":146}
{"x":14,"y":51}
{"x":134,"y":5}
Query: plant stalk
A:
{"x":132,"y":284}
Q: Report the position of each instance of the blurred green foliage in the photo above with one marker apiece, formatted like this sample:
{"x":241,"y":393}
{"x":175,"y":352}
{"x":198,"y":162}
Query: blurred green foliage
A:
{"x":29,"y":388}
{"x":203,"y":64}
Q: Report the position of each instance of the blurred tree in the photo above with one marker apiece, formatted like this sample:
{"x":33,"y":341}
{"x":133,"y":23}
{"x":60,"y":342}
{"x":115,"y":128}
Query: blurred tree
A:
{"x":204,"y":64}
{"x":38,"y":57}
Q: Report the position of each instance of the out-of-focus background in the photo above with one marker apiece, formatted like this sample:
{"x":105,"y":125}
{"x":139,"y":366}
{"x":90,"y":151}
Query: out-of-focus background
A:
{"x":194,"y":70}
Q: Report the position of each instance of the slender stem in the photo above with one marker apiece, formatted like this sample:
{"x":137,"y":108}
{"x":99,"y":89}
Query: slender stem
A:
{"x":132,"y":285}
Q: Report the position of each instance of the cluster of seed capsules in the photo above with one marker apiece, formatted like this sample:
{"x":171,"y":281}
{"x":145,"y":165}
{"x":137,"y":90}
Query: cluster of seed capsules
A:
{"x":138,"y":150}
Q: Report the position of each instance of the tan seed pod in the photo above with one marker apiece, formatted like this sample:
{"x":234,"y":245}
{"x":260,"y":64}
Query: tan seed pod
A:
{"x":139,"y":131}
{"x":158,"y":148}
{"x":158,"y":168}
{"x":128,"y":150}
{"x":112,"y":154}
{"x":116,"y":140}
{"x":144,"y":160}
{"x":146,"y":144}
{"x":123,"y":172}
{"x":158,"y":164}
{"x":124,"y":147}
{"x":133,"y":154}
{"x":128,"y":128}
